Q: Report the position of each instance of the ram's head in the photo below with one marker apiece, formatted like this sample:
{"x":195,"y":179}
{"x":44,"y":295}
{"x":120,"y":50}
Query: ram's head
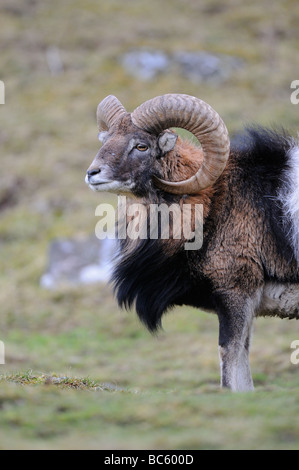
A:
{"x":140,"y":153}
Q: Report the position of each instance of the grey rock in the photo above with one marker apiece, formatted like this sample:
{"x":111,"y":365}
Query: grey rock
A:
{"x":197,"y":67}
{"x":145,"y":64}
{"x":54,"y":61}
{"x":203,"y":66}
{"x":78,"y":261}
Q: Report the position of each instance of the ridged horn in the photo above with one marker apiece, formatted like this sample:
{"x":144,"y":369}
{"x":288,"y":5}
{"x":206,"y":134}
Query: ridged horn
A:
{"x":197,"y":117}
{"x":108,"y":112}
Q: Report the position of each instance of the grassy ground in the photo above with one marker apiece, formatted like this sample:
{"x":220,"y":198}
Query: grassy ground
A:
{"x":79,"y":373}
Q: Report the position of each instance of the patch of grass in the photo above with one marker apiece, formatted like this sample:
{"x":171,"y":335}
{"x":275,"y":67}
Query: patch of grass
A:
{"x":49,"y":415}
{"x":29,"y":378}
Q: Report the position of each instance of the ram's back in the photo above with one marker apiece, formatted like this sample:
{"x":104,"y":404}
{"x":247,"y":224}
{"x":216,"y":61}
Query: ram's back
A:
{"x":262,"y":196}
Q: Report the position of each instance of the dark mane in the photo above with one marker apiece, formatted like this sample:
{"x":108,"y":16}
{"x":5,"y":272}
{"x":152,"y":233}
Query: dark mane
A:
{"x":156,"y":283}
{"x":151,"y":280}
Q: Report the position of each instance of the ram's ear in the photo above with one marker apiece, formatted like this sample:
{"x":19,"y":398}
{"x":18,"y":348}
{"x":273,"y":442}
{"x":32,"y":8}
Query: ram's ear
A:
{"x":167,"y":141}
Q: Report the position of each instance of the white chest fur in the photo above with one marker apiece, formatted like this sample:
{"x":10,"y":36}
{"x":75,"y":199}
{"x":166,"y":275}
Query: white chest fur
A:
{"x":280,"y":300}
{"x":289,"y":196}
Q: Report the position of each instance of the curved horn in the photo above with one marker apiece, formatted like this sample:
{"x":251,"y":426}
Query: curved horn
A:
{"x":108,"y":112}
{"x":197,"y":117}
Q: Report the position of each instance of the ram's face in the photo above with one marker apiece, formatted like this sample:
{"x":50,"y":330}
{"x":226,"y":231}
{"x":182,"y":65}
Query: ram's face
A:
{"x":128,"y":159}
{"x":134,"y":144}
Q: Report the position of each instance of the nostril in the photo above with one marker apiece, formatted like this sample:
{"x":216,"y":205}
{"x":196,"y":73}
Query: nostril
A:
{"x":93,"y":172}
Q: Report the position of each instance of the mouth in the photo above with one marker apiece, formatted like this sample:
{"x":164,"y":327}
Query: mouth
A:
{"x":99,"y":183}
{"x":109,"y":185}
{"x":95,"y":184}
{"x":102,"y":186}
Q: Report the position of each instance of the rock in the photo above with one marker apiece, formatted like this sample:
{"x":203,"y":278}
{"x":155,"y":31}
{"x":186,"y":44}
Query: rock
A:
{"x":54,"y":61}
{"x":197,"y":67}
{"x":78,"y":261}
{"x":205,"y":67}
{"x":145,"y":64}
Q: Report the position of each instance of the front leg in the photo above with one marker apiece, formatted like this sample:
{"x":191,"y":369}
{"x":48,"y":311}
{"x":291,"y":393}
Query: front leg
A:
{"x":235,"y":327}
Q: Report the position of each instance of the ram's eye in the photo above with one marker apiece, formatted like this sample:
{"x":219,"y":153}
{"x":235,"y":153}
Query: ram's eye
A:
{"x":142,"y":147}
